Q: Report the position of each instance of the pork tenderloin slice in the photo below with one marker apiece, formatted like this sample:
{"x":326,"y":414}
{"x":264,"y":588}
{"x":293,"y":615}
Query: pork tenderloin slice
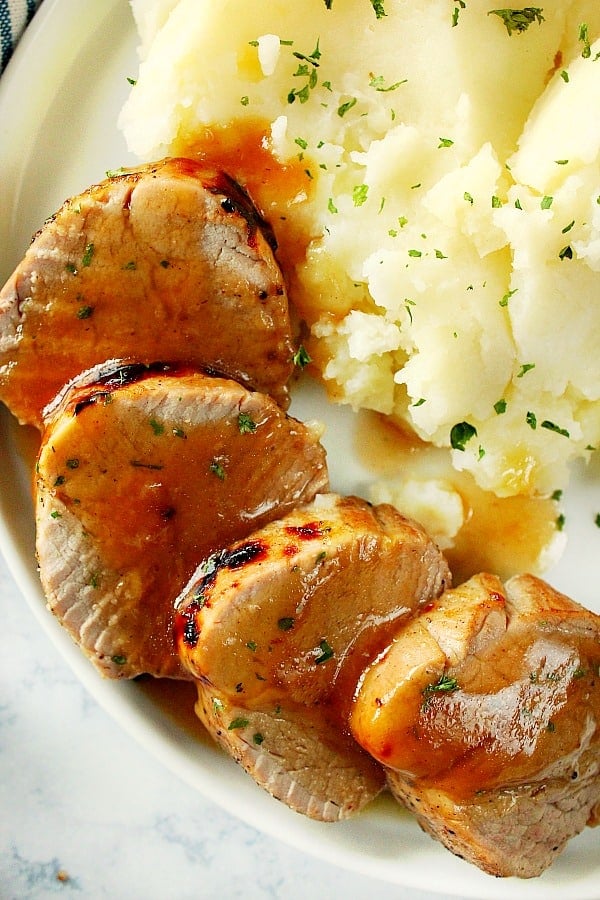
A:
{"x":141,"y":474}
{"x":493,"y":739}
{"x":169,"y":261}
{"x":277,"y":629}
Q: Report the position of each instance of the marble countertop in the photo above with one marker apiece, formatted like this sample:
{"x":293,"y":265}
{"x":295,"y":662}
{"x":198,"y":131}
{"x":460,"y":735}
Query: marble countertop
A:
{"x":84,"y":811}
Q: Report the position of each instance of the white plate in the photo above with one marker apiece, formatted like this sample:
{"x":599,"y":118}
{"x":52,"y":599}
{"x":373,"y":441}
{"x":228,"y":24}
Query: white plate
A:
{"x":59,"y":100}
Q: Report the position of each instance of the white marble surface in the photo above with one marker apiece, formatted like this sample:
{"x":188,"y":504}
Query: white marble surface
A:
{"x":85,"y":812}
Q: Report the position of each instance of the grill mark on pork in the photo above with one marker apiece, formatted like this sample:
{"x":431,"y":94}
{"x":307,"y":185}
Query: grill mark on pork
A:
{"x":138,"y":486}
{"x":171,"y":262}
{"x":276,"y":642}
{"x":488,"y":721}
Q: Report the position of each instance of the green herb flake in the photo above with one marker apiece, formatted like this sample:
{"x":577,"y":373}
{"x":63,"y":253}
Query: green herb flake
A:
{"x":238,"y":722}
{"x":461,"y":434}
{"x":531,"y":420}
{"x":179,"y":432}
{"x":55,"y":514}
{"x":551,"y":426}
{"x":130,"y":266}
{"x":332,"y":208}
{"x":496,"y":202}
{"x":500,"y":407}
{"x":132,"y":81}
{"x":157,"y":427}
{"x":506,"y":297}
{"x":257,"y":738}
{"x":565,"y":76}
{"x":518,"y":20}
{"x":94,"y":581}
{"x":445,"y":684}
{"x":88,"y":255}
{"x":85,"y":312}
{"x":378,"y":82}
{"x":245,"y":100}
{"x":378,"y":8}
{"x":468,"y":197}
{"x":218,"y":705}
{"x":560,"y":522}
{"x":60,"y":479}
{"x":286,"y":623}
{"x":546,"y":202}
{"x":584,"y":39}
{"x":568,"y":227}
{"x":326,"y":653}
{"x":566,"y":252}
{"x":419,"y":402}
{"x":301,"y":357}
{"x":246,"y":424}
{"x":71,"y":268}
{"x":561,"y":162}
{"x":252,"y":645}
{"x":301,"y":143}
{"x":415,"y":253}
{"x":118,"y":659}
{"x":217,"y":469}
{"x":164,"y":263}
{"x":359,"y":194}
{"x":556,"y":495}
{"x":72,"y":463}
{"x":526,"y":367}
{"x":440,"y":255}
{"x":345,"y":107}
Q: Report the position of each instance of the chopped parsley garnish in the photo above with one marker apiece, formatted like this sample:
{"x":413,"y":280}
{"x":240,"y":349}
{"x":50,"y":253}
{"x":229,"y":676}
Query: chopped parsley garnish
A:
{"x":84,"y":312}
{"x":157,"y":427}
{"x":526,"y":367}
{"x":531,"y":420}
{"x":72,"y":463}
{"x":468,"y":197}
{"x":286,"y":623}
{"x":519,"y":20}
{"x":217,"y":469}
{"x":344,"y":107}
{"x":597,"y":520}
{"x":551,"y":426}
{"x":496,"y":202}
{"x":246,"y":424}
{"x":119,"y":660}
{"x":326,"y":653}
{"x":360,"y":193}
{"x":130,"y":266}
{"x":301,"y":357}
{"x":87,"y":257}
{"x":500,"y":407}
{"x":560,"y":522}
{"x":252,"y":645}
{"x":460,"y":4}
{"x":461,"y":434}
{"x":238,"y":722}
{"x":331,"y":206}
{"x":378,"y":82}
{"x":445,"y":142}
{"x":445,"y":684}
{"x":506,"y":297}
{"x":584,"y":38}
{"x":546,"y":202}
{"x":566,"y":252}
{"x":568,"y":227}
{"x":258,"y":738}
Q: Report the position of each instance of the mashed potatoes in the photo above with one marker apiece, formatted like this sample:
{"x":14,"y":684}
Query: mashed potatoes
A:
{"x":452,"y":270}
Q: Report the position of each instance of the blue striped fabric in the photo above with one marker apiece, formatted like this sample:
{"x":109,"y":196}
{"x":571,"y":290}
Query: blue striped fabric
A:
{"x":15,"y":15}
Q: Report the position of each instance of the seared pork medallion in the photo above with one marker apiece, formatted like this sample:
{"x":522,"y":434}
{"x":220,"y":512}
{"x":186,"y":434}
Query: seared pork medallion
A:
{"x":485,"y":711}
{"x":170,"y":261}
{"x":143,"y":471}
{"x":277,"y":630}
